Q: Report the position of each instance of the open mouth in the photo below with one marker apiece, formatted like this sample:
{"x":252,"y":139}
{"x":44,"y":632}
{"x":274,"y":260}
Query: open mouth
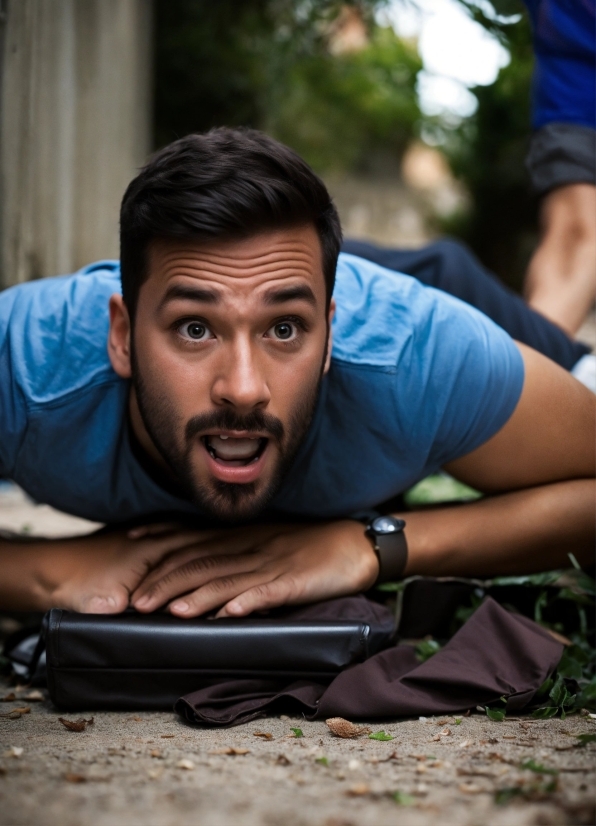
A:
{"x":235,"y":452}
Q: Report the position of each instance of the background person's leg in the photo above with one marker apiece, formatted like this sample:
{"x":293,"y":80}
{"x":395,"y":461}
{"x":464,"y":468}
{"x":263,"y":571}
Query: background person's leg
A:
{"x":449,"y":266}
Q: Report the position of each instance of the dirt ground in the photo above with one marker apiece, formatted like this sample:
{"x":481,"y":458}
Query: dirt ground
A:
{"x":152,"y":769}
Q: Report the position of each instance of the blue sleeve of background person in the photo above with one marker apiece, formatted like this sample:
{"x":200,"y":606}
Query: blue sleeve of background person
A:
{"x":458,"y":376}
{"x":564,"y":84}
{"x":39,"y":321}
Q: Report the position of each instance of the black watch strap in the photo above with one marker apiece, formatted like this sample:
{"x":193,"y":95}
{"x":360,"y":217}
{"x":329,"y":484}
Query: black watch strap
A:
{"x":392,"y":552}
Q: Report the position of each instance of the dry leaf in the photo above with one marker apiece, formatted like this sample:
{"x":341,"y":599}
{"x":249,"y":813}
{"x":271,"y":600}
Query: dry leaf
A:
{"x":469,"y":788}
{"x":491,"y":741}
{"x":442,"y":722}
{"x":358,"y":790}
{"x":76,"y":725}
{"x":230,"y":750}
{"x":266,"y":735}
{"x":282,"y":760}
{"x":446,"y":732}
{"x":15,"y":713}
{"x":136,"y":719}
{"x":436,"y":737}
{"x":34,"y":697}
{"x":167,"y":736}
{"x":155,"y":753}
{"x":373,"y":759}
{"x":185,"y":764}
{"x":509,"y":737}
{"x":15,"y":751}
{"x":421,"y":768}
{"x":9,"y":698}
{"x":472,"y":772}
{"x":343,"y":728}
{"x":71,"y":777}
{"x":155,"y":774}
{"x":464,"y":744}
{"x":558,"y":637}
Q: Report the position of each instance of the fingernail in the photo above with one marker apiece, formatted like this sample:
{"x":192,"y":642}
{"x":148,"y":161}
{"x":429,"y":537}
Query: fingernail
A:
{"x":142,"y":602}
{"x":233,"y":608}
{"x":181,"y":607}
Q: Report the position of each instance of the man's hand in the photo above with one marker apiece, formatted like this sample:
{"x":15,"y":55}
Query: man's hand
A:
{"x":255,"y":568}
{"x":91,"y":574}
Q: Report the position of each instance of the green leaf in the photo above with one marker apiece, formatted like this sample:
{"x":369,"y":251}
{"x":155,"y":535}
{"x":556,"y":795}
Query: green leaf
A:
{"x":380,"y":735}
{"x":569,"y":667}
{"x":427,"y":649}
{"x":537,"y":767}
{"x":587,"y":696}
{"x":457,"y":721}
{"x":503,"y":796}
{"x":545,"y":578}
{"x":440,"y":487}
{"x":403,"y":799}
{"x":558,"y":691}
{"x":545,"y":688}
{"x":495,"y":714}
{"x":322,"y":761}
{"x":545,"y":713}
{"x":584,"y":739}
{"x":298,"y":732}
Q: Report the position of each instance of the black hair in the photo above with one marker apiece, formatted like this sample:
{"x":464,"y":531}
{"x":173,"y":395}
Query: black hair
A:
{"x":224,"y":184}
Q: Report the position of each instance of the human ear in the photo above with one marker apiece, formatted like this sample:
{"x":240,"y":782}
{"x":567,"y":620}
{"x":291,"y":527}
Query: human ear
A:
{"x":329,"y":336}
{"x":119,"y":337}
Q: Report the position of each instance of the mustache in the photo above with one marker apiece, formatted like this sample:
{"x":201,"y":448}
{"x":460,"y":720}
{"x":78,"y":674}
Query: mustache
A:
{"x":228,"y":419}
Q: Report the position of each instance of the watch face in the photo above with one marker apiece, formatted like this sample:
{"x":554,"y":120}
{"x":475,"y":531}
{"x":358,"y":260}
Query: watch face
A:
{"x":387,"y":524}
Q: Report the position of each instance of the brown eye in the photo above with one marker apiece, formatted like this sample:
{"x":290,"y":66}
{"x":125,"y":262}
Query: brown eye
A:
{"x":283,"y":331}
{"x":194,"y":330}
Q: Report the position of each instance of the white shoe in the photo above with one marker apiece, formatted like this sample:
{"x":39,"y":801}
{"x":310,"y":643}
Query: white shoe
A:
{"x":585,"y":371}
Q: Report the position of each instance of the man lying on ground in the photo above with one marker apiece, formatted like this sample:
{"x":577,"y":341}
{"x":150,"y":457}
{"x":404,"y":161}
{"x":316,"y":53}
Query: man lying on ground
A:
{"x":228,"y":388}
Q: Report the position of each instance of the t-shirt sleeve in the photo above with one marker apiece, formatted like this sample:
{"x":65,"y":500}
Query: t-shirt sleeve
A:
{"x":464,"y":378}
{"x":13,"y":419}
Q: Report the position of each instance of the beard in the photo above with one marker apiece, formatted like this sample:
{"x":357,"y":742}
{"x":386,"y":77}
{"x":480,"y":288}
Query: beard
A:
{"x":223,"y":501}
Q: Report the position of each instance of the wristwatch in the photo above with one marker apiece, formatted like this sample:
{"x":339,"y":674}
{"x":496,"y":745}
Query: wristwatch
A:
{"x":389,"y":541}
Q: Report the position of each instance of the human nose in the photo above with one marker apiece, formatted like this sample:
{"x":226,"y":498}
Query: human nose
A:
{"x":240,"y":379}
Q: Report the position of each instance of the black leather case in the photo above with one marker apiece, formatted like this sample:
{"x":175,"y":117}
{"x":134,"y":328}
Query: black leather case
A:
{"x":148,"y":661}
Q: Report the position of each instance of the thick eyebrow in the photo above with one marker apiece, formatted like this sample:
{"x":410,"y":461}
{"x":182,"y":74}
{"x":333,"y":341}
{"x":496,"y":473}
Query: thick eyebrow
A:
{"x":284,"y":294}
{"x":190,"y":294}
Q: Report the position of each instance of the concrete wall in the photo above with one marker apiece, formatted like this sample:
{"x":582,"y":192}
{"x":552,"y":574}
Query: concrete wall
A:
{"x":74,"y":127}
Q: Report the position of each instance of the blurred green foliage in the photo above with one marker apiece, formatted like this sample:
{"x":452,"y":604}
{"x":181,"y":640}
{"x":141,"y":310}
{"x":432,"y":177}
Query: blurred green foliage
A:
{"x":487,"y":153}
{"x":268,"y":64}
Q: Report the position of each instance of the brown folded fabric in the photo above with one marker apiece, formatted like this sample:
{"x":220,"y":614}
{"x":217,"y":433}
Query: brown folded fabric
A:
{"x":494,"y":654}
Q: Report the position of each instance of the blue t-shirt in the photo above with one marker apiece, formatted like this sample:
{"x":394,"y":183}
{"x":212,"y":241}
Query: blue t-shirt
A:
{"x":417,"y":379}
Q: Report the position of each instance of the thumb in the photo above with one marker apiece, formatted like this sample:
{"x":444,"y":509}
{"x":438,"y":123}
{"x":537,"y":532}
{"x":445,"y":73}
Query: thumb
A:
{"x":112,"y":603}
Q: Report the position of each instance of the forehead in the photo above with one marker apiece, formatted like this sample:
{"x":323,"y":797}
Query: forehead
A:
{"x":290,"y":255}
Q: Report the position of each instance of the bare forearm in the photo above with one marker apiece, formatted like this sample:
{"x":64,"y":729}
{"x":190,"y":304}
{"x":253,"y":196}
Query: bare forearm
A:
{"x":29,"y":574}
{"x":521,"y":532}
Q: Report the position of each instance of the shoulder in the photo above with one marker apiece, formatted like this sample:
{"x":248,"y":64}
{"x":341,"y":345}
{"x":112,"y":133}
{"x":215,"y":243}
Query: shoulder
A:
{"x":54,"y":331}
{"x":387,"y":319}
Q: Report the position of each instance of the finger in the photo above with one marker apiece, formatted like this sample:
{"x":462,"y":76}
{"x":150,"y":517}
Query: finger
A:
{"x":260,"y":597}
{"x":222,"y":545}
{"x":193,"y":574}
{"x":113,"y":603}
{"x":213,"y":595}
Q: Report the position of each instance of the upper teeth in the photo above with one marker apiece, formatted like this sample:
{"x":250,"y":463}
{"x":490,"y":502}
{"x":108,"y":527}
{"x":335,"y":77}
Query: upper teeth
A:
{"x":224,"y":437}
